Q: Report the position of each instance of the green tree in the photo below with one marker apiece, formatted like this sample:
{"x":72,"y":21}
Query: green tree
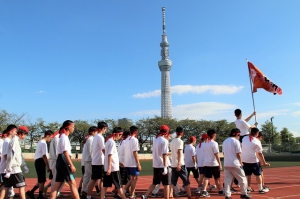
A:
{"x":80,"y":131}
{"x":270,"y":133}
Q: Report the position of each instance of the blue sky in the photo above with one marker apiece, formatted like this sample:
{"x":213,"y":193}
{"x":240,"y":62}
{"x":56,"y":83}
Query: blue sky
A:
{"x":99,"y":59}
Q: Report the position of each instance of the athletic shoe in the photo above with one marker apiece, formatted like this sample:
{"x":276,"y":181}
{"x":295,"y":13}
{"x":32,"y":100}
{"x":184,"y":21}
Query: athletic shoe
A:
{"x":181,"y":193}
{"x":245,"y":196}
{"x":198,"y":190}
{"x":30,"y":194}
{"x":221,"y":193}
{"x":144,"y":197}
{"x":249,"y":189}
{"x":211,"y":187}
{"x":155,"y":195}
{"x":233,"y":190}
{"x":266,"y":188}
{"x":262,"y":191}
{"x":204,"y":194}
{"x":117,"y":196}
{"x":228,"y":197}
{"x":41,"y":197}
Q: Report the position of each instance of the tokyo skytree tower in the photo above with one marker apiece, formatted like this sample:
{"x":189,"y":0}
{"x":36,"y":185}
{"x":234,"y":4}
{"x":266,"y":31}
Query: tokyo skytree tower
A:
{"x":165,"y":66}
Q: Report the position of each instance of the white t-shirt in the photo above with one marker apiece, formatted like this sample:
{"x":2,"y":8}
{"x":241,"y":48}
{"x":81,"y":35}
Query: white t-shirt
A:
{"x":41,"y":149}
{"x":210,"y":148}
{"x":53,"y":148}
{"x":189,"y":153}
{"x":175,"y":145}
{"x":200,"y":155}
{"x":87,"y":150}
{"x":231,"y":147}
{"x":14,"y":156}
{"x":121,"y":151}
{"x":111,"y":149}
{"x":243,"y":126}
{"x":1,"y":144}
{"x":97,"y":147}
{"x":131,"y":145}
{"x":160,"y":147}
{"x":4,"y":152}
{"x":249,"y":149}
{"x":64,"y":145}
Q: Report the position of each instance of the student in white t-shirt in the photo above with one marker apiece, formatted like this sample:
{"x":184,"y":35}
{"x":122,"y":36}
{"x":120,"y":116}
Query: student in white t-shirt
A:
{"x":161,"y":173}
{"x":87,"y":159}
{"x":131,"y":159}
{"x":212,"y":164}
{"x":233,"y":164}
{"x":64,"y":165}
{"x":111,"y":164}
{"x":41,"y":164}
{"x":190,"y":159}
{"x":252,"y":156}
{"x":243,"y":124}
{"x":98,"y":150}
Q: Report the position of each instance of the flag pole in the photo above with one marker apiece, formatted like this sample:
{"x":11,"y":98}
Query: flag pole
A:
{"x":251,"y":88}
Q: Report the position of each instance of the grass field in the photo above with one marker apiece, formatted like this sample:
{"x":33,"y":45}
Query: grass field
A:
{"x":147,"y":167}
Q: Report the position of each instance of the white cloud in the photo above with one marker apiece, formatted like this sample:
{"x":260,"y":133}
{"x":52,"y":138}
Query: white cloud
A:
{"x":297,"y":103}
{"x":296,"y":113}
{"x":201,"y":110}
{"x":40,"y":92}
{"x":295,"y":133}
{"x":182,"y":89}
{"x":270,"y":114}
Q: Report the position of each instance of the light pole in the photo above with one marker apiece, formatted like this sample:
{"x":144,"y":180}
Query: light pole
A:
{"x":272,"y":132}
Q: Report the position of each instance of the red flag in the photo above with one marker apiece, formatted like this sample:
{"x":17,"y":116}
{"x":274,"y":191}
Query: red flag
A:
{"x":259,"y":80}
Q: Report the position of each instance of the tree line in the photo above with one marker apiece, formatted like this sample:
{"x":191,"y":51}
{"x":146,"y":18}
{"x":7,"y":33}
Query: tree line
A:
{"x":148,"y":129}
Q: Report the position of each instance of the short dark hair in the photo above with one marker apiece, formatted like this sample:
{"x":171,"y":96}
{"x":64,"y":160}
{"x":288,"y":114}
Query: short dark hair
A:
{"x":254,"y":131}
{"x":133,"y":129}
{"x":237,"y":112}
{"x":117,"y":130}
{"x":211,"y":132}
{"x":102,"y":125}
{"x":179,"y":129}
{"x":234,"y":132}
{"x":92,"y":129}
{"x":48,"y":132}
{"x":11,"y":127}
{"x":126,"y":134}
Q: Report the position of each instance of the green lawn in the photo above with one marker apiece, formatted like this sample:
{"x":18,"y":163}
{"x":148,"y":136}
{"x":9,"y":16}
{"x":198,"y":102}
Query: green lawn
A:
{"x":147,"y":167}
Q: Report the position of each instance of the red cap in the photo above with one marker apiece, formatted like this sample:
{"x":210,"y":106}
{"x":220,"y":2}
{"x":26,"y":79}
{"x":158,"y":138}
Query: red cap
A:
{"x":24,"y":128}
{"x":204,"y":136}
{"x":164,"y":128}
{"x":192,"y":138}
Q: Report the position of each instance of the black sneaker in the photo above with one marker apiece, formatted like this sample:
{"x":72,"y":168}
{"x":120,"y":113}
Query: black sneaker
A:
{"x":246,"y":196}
{"x":204,"y":194}
{"x":221,"y":193}
{"x":117,"y":196}
{"x":30,"y":194}
{"x":144,"y":197}
{"x":227,"y":197}
{"x":155,"y":195}
{"x":233,"y":190}
{"x":180,"y":193}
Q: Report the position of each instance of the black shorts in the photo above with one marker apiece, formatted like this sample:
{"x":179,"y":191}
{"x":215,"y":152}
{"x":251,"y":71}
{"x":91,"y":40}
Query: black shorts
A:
{"x":254,"y":168}
{"x":97,"y":172}
{"x":158,"y":176}
{"x":241,"y":138}
{"x":15,"y":180}
{"x":82,"y":170}
{"x":194,"y":171}
{"x":113,"y":178}
{"x":124,"y":176}
{"x":63,"y":171}
{"x":50,"y":175}
{"x":201,"y":170}
{"x":40,"y":168}
{"x":182,"y":174}
{"x":212,"y":171}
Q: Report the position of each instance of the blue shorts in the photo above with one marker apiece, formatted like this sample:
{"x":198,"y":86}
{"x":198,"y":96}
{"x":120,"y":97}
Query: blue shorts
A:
{"x":132,"y":171}
{"x":254,"y":168}
{"x":182,"y":174}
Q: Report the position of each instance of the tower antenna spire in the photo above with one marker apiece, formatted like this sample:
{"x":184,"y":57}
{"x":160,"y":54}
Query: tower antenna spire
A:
{"x":164,"y":19}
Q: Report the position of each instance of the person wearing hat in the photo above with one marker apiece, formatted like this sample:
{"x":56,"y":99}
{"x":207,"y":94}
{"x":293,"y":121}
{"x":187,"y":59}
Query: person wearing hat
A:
{"x":190,"y":159}
{"x":14,"y":161}
{"x":253,"y":159}
{"x":212,"y":163}
{"x":233,"y":164}
{"x":111,"y":164}
{"x":41,"y":164}
{"x":243,"y":124}
{"x":161,"y":173}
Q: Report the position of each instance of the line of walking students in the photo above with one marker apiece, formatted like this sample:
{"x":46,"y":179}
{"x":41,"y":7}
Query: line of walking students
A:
{"x":104,"y":164}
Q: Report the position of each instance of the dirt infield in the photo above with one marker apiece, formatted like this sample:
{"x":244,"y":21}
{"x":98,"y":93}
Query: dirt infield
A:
{"x":283,"y":183}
